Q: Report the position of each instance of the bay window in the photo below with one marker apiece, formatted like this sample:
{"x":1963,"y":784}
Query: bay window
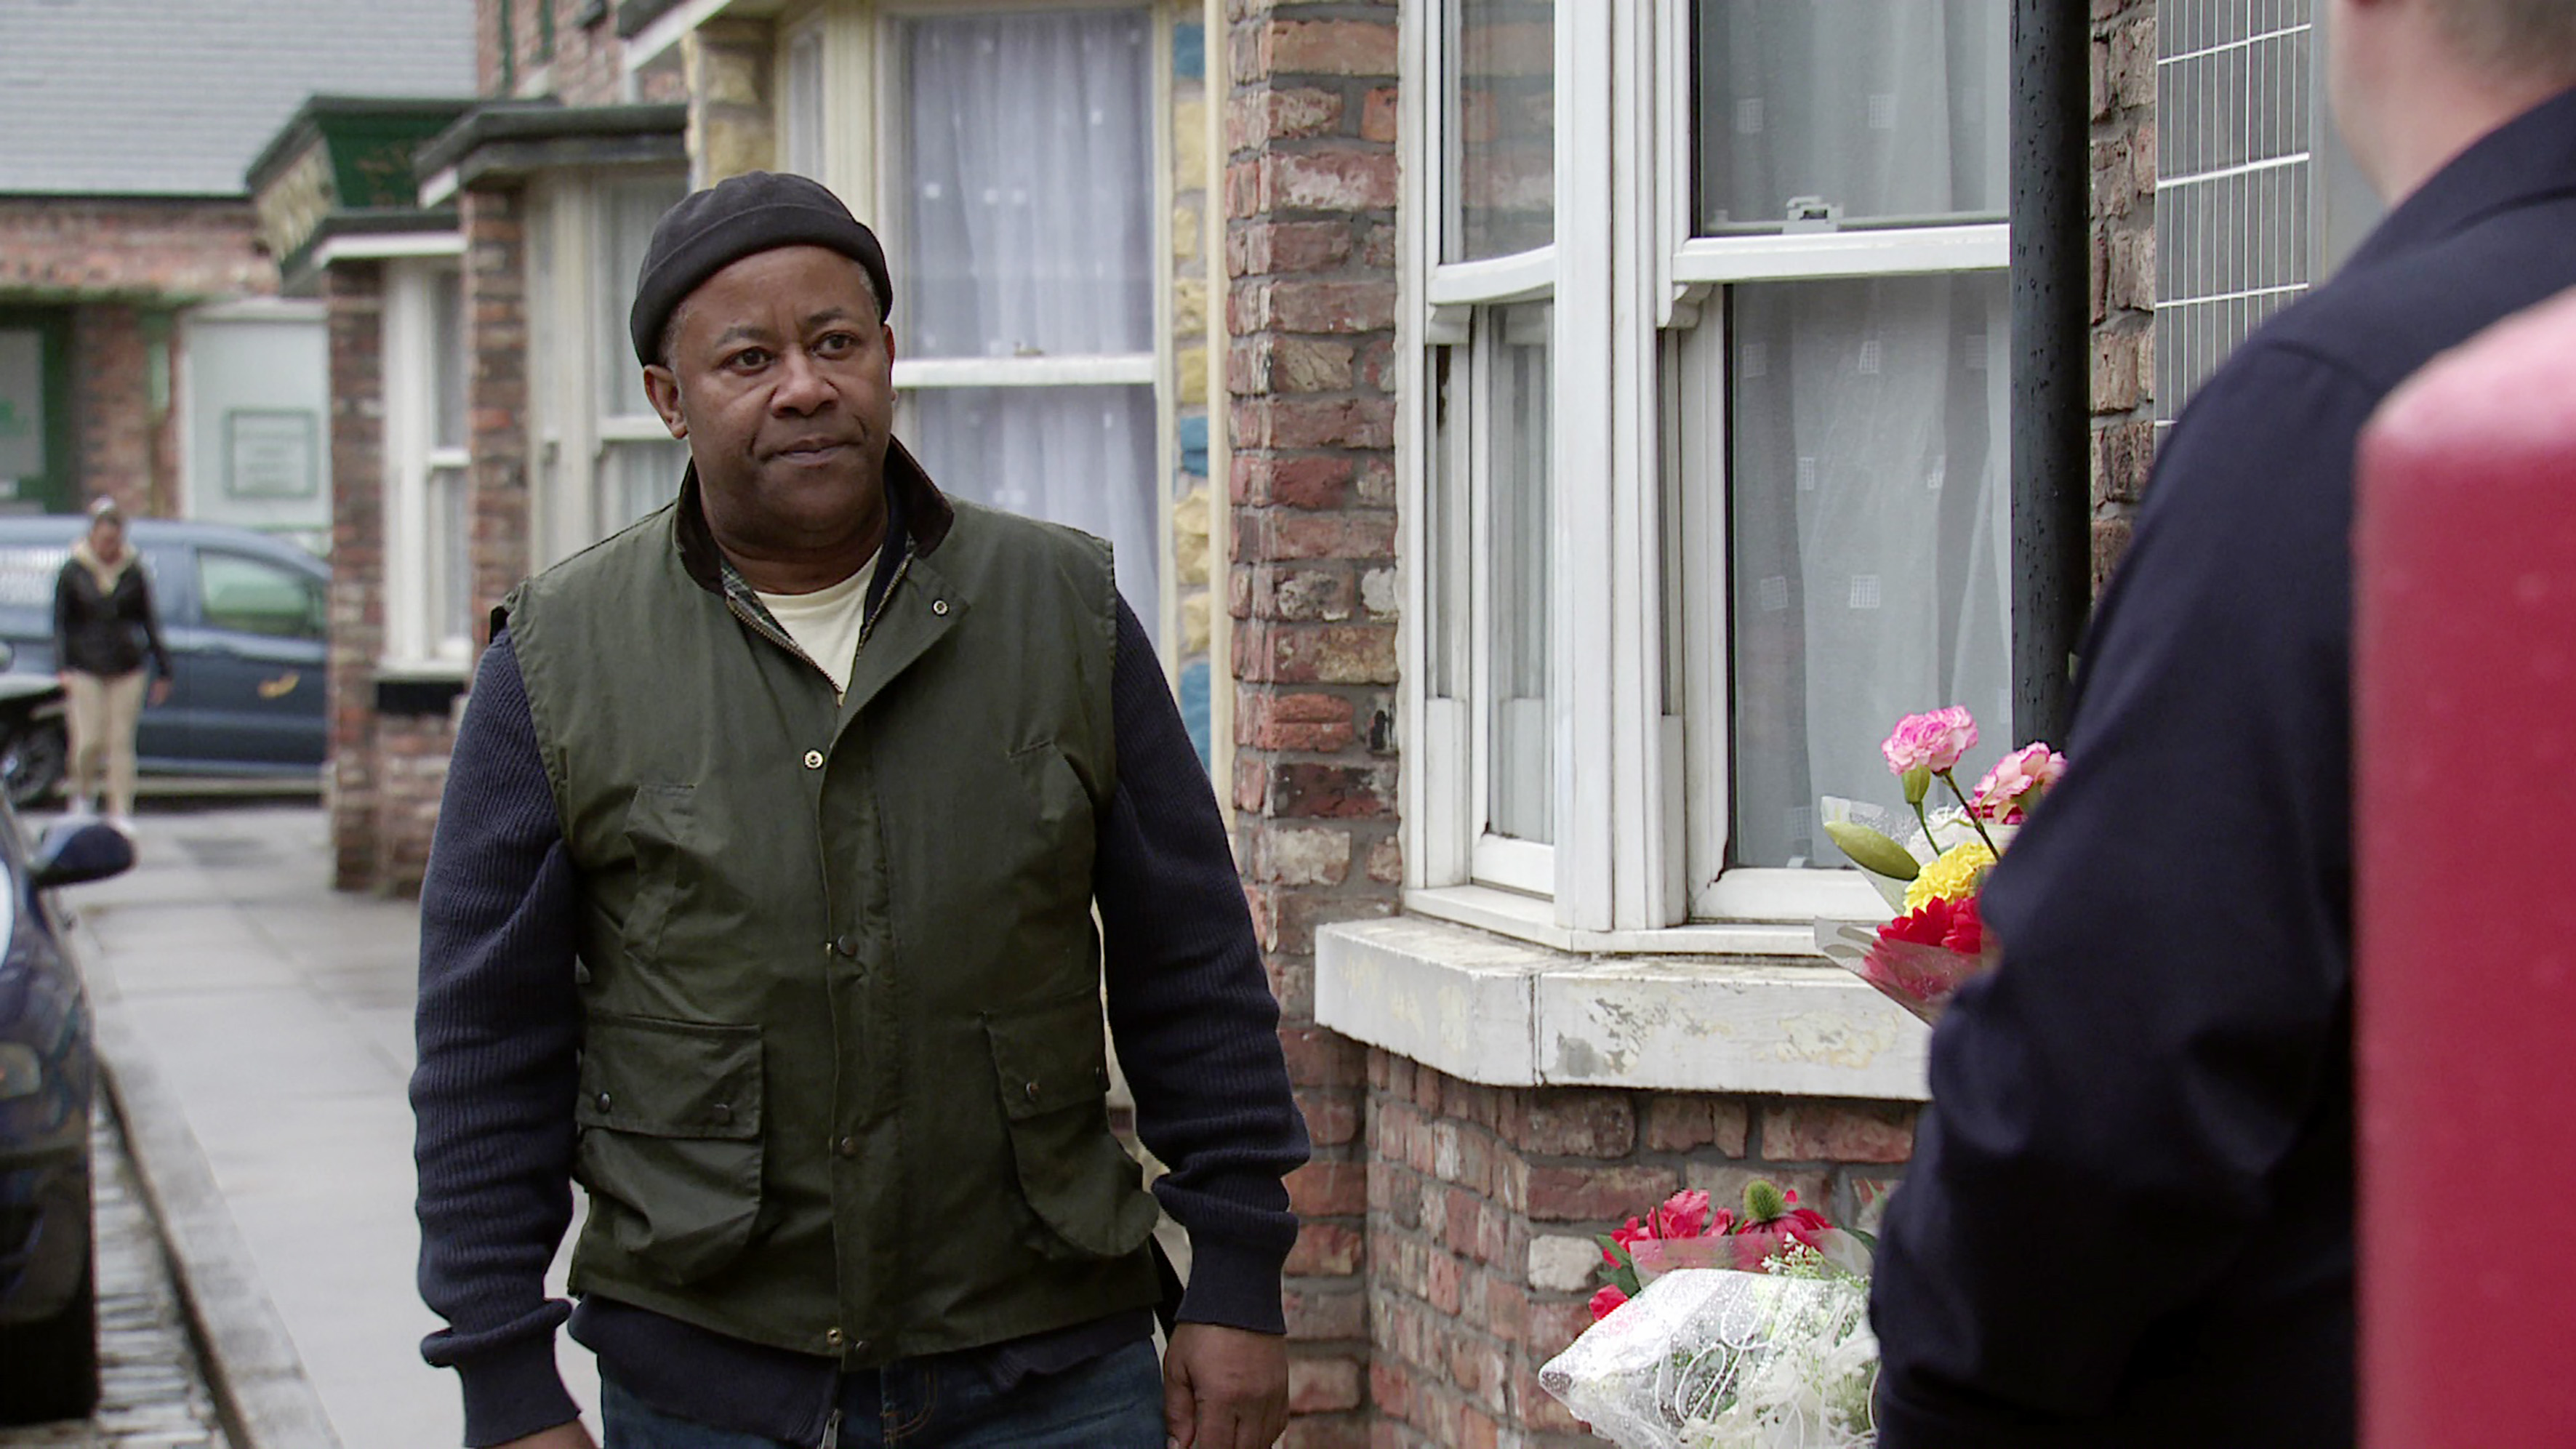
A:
{"x":603,"y":458}
{"x":1020,"y":198}
{"x":1707,"y":301}
{"x":429,"y":604}
{"x":1009,"y":156}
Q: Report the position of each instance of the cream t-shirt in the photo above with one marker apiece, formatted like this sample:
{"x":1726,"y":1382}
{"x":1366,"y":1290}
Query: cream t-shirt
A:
{"x":826,"y":624}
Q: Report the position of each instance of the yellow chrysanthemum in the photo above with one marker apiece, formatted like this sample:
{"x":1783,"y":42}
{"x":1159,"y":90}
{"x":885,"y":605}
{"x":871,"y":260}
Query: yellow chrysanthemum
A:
{"x":1953,"y":876}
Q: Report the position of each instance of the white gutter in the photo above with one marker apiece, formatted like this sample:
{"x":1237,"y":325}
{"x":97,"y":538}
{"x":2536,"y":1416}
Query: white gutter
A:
{"x":649,"y":43}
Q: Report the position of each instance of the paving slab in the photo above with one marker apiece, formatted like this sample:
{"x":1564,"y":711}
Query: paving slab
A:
{"x":257,"y":1031}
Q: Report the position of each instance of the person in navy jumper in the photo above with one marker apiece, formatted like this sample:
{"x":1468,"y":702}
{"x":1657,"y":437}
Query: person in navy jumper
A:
{"x":2129,"y":1219}
{"x":749,"y":319}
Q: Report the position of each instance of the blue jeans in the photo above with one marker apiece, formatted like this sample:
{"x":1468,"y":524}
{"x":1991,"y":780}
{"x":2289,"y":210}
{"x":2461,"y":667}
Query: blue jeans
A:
{"x":1113,"y":1402}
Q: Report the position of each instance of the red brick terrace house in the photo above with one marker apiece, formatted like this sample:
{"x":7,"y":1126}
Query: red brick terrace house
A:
{"x":143,"y":353}
{"x":1636,"y":407}
{"x":1627,"y":409}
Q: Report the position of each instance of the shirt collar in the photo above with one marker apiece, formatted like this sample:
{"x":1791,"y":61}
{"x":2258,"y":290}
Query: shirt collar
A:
{"x":918,"y":517}
{"x":2530,"y":156}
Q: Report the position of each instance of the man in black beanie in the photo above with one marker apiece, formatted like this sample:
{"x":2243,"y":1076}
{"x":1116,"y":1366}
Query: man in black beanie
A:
{"x":762,"y":905}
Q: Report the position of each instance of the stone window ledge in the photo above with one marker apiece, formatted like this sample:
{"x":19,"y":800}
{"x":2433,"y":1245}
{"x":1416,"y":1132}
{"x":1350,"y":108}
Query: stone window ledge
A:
{"x":1506,"y":1013}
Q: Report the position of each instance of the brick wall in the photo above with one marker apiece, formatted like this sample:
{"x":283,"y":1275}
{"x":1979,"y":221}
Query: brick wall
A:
{"x":1310,"y":242}
{"x":56,"y":248}
{"x":126,"y":264}
{"x":1484,"y":1203}
{"x":354,"y":293}
{"x":386,"y":770}
{"x":411,"y":768}
{"x":588,"y":60}
{"x":119,"y":438}
{"x":496,"y":389}
{"x":733,"y":127}
{"x":2124,"y":269}
{"x":585,"y":66}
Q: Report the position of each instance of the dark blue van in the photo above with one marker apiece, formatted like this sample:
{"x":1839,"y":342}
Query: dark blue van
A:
{"x":246,"y":619}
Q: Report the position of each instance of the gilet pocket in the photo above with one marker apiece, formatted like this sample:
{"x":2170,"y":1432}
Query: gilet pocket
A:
{"x":670,"y":1148}
{"x":658,"y":823}
{"x":1052,"y":1067}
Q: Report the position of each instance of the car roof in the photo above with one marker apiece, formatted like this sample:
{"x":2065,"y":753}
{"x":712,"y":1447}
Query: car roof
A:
{"x":58,"y":530}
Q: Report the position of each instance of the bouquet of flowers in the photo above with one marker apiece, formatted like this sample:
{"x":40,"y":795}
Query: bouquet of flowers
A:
{"x":1937,"y":940}
{"x":1768,"y":1350}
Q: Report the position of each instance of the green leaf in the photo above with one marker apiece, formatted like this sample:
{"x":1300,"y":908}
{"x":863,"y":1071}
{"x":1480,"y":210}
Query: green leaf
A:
{"x":1872,"y":851}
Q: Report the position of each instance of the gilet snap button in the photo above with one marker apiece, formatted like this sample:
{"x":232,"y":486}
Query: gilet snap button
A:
{"x":939,"y":607}
{"x":601,"y":1101}
{"x":723,"y":1113}
{"x":813,"y":759}
{"x":1033,"y":1091}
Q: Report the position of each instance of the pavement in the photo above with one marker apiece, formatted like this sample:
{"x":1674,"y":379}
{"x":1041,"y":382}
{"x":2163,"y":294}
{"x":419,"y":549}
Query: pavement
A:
{"x":152,"y":1390}
{"x":256,"y":1027}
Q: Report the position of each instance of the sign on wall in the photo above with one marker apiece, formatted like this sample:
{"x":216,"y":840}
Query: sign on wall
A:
{"x":256,"y":408}
{"x":272,"y":453}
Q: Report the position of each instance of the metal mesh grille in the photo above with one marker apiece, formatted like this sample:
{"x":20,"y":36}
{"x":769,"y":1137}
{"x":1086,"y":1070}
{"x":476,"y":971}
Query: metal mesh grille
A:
{"x":2234,"y":117}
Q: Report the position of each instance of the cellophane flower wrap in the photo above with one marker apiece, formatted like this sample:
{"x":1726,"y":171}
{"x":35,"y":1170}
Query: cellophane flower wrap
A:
{"x":1917,"y":976}
{"x":1749,"y":1332}
{"x":1931,"y":877}
{"x":1714,"y":1358}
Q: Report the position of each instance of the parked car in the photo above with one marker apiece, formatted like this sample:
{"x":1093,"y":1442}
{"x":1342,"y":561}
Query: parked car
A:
{"x":245,"y":619}
{"x":48,"y":1283}
{"x":32,"y":741}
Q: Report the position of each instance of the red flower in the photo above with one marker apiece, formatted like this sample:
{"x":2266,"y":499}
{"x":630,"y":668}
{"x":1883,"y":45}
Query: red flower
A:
{"x":1628,"y":1237}
{"x":1967,"y":933}
{"x":1604,"y":1301}
{"x":1954,"y":925}
{"x":1683,"y":1215}
{"x":1758,"y":1238}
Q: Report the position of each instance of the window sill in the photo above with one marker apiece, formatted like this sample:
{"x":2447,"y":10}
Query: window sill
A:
{"x":1507,"y":1013}
{"x":454,"y":670}
{"x":1531,"y":919}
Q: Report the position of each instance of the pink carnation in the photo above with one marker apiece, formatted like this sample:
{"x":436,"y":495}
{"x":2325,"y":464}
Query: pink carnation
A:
{"x":2015,"y":784}
{"x":1683,"y":1215}
{"x":1933,"y":741}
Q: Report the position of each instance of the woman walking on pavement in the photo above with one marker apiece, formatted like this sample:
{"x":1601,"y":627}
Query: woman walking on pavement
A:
{"x":103,"y":624}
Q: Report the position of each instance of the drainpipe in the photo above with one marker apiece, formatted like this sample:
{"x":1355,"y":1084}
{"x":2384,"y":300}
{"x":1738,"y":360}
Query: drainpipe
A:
{"x":2051,"y":178}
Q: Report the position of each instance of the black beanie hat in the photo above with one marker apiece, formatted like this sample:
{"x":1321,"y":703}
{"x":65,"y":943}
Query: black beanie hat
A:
{"x":707,"y":231}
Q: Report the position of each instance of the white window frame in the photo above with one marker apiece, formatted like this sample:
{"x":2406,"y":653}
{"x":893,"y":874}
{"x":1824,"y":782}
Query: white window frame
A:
{"x":1638,"y":402}
{"x":414,"y":645}
{"x":1697,"y":270}
{"x":569,"y":433}
{"x":804,"y":137}
{"x":1452,"y":861}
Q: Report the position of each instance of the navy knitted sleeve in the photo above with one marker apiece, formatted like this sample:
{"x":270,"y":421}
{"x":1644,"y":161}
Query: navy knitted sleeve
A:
{"x":1190,"y":1007}
{"x":499,"y":1030}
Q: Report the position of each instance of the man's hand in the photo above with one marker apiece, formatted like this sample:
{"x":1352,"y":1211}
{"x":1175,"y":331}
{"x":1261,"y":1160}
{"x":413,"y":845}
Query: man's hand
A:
{"x":1224,"y":1388}
{"x":161,"y":689}
{"x":561,"y":1436}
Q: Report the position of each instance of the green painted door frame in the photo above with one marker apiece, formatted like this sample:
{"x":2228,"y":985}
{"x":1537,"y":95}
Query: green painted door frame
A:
{"x":58,"y":486}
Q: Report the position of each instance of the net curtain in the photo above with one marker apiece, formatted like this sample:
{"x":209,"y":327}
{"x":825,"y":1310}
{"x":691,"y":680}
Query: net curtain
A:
{"x":1029,"y":233}
{"x":1870,"y":496}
